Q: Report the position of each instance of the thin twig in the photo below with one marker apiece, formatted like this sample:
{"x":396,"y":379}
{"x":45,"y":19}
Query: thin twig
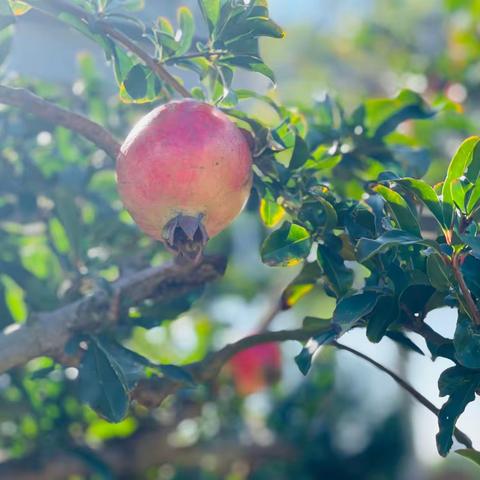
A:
{"x":459,"y":435}
{"x":188,"y":56}
{"x":125,"y":41}
{"x":31,"y":103}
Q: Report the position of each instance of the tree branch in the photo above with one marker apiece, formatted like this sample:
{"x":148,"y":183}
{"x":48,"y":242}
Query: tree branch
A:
{"x":153,"y":391}
{"x":31,"y":103}
{"x":125,"y":41}
{"x":48,"y":332}
{"x":459,"y":435}
{"x":127,"y":458}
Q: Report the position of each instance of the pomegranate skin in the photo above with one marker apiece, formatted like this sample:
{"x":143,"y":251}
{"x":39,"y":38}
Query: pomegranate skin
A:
{"x":184,"y":159}
{"x":256,"y":367}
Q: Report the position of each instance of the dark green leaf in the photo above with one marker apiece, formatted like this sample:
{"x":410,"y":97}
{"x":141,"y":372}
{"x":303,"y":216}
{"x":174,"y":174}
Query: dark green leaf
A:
{"x":461,"y":392}
{"x":178,"y":374}
{"x":439,"y":274}
{"x":339,"y":276}
{"x":467,"y":342}
{"x":351,"y":309}
{"x":426,"y":194}
{"x":474,"y":243}
{"x":384,"y":314}
{"x":304,"y":358}
{"x":136,"y":82}
{"x":211,"y":12}
{"x":287,"y":246}
{"x":465,"y":163}
{"x":103,"y":385}
{"x":404,"y":216}
{"x":300,"y":153}
{"x":403,"y":341}
{"x":367,"y":248}
{"x":252,"y":63}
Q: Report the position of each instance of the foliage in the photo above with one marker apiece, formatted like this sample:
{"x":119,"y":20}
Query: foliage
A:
{"x":343,"y":189}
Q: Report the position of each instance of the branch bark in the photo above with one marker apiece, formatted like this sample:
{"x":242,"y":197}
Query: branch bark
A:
{"x":31,"y":103}
{"x":48,"y":332}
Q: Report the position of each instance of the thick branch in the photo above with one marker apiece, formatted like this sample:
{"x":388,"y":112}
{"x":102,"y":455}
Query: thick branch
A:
{"x":125,"y":41}
{"x":31,"y":103}
{"x":48,"y":332}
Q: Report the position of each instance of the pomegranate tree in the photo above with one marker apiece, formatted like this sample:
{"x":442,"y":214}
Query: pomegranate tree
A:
{"x":184,"y":173}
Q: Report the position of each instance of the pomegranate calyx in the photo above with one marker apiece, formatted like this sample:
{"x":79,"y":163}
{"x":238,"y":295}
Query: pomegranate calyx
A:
{"x":186,"y":237}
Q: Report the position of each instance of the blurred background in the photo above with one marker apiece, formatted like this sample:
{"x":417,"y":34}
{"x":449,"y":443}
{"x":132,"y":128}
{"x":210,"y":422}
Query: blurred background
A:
{"x":351,"y":421}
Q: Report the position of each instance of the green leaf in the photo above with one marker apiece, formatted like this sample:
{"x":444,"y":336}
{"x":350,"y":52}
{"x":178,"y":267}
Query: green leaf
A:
{"x":102,"y":384}
{"x":141,"y":85}
{"x":301,"y":285}
{"x":467,"y":342}
{"x":340,"y":277}
{"x":439,"y":274}
{"x":263,"y":27}
{"x":70,"y":217}
{"x":271,"y":212}
{"x":474,"y":243}
{"x":187,"y":27}
{"x":401,"y":211}
{"x":135,"y":82}
{"x":382,"y":116}
{"x":367,"y":248}
{"x":351,"y":309}
{"x":211,"y":12}
{"x":300,"y":153}
{"x":426,"y":194}
{"x":287,"y":246}
{"x":470,"y":453}
{"x":19,"y":7}
{"x":251,"y":63}
{"x":384,"y":314}
{"x":177,"y":374}
{"x":465,"y":163}
{"x":461,"y":387}
{"x":6,"y":15}
{"x":403,"y":341}
{"x":304,"y":358}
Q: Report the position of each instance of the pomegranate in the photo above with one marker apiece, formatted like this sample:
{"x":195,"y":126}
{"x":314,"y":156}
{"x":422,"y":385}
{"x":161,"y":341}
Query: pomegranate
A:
{"x":256,"y":367}
{"x":184,"y":173}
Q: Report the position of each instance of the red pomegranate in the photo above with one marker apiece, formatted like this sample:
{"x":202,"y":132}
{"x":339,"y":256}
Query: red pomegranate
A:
{"x":184,"y":173}
{"x":256,"y":367}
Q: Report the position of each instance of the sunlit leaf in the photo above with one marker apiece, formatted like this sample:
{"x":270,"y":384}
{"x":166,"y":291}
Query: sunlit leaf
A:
{"x":287,"y":246}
